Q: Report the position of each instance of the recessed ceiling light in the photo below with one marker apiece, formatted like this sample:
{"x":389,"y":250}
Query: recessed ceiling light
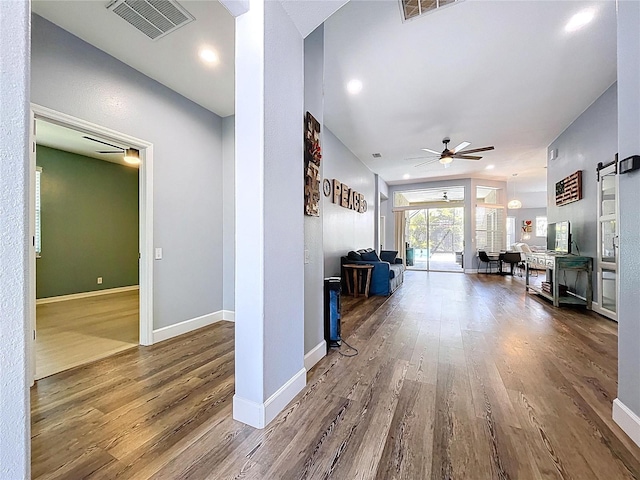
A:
{"x":579,"y":20}
{"x":208,"y":56}
{"x":490,"y":167}
{"x":406,"y":176}
{"x":354,"y":86}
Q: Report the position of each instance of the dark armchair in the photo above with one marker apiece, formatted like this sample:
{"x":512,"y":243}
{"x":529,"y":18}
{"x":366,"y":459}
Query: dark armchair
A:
{"x":484,"y":258}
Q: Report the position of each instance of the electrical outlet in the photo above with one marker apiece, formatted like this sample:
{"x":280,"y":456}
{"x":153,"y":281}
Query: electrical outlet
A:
{"x":99,"y":280}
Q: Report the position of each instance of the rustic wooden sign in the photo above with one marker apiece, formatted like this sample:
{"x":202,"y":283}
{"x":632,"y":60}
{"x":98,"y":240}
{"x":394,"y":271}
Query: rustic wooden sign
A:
{"x":344,"y":196}
{"x":569,"y":189}
{"x":312,"y":158}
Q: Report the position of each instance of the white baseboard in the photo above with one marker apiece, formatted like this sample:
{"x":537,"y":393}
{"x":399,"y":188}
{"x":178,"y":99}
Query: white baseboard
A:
{"x":95,"y":293}
{"x":628,"y":421}
{"x":165,"y":333}
{"x":229,"y":315}
{"x":260,"y":415}
{"x":470,"y":270}
{"x":316,"y":354}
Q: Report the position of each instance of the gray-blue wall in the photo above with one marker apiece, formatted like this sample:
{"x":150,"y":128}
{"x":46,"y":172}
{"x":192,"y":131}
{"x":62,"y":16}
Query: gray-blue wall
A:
{"x":228,"y":212}
{"x":592,"y":138}
{"x":73,"y":77}
{"x":345,"y":229}
{"x":313,"y":242}
{"x":522,"y":214}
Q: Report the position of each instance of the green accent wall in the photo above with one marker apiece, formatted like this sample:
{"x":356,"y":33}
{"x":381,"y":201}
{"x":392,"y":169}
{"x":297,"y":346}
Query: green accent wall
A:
{"x":89,"y":215}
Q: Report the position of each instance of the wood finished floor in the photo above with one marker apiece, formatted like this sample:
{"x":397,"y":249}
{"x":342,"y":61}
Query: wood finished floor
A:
{"x":458,"y":377}
{"x":79,"y":331}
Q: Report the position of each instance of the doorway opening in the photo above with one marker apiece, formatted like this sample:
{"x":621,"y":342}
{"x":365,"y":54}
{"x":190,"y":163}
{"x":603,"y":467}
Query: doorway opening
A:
{"x":90,"y":277}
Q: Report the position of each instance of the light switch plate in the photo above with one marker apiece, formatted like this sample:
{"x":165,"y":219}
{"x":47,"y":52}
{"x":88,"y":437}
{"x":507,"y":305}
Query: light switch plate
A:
{"x":306,"y":256}
{"x":158,"y":255}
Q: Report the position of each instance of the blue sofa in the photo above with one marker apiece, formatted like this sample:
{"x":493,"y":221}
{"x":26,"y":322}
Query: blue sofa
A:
{"x":386,"y":276}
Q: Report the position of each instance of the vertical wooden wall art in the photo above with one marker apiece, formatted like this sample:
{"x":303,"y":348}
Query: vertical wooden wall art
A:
{"x":312,"y":158}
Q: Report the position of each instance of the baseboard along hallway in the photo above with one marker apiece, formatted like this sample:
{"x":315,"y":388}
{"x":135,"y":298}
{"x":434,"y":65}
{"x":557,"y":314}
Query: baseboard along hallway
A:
{"x":457,"y":376}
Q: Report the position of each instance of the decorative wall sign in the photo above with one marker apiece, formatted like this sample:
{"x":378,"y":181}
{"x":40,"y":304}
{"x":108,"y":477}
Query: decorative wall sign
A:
{"x":346,"y":197}
{"x":312,"y":158}
{"x":527,"y":226}
{"x":569,"y":189}
{"x":326,"y":187}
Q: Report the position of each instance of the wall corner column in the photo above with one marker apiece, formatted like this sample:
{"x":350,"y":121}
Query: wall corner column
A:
{"x":15,"y":416}
{"x":269,"y":283}
{"x":626,"y":408}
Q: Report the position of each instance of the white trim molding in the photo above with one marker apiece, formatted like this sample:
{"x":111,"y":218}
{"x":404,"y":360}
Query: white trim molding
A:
{"x":145,"y":187}
{"x":260,"y":415}
{"x":628,"y":421}
{"x":95,"y":293}
{"x":470,"y":270}
{"x":229,"y":315}
{"x":316,"y":354}
{"x":171,"y":331}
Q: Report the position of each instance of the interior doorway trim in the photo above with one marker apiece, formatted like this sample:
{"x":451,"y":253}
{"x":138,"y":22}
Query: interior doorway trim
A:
{"x":145,"y":179}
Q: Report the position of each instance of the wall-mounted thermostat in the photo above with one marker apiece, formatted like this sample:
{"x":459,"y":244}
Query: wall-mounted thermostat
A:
{"x":629,"y":164}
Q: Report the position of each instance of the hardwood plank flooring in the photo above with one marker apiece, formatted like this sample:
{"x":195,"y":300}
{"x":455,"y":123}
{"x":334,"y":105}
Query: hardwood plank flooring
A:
{"x":457,"y":377}
{"x":83,"y":330}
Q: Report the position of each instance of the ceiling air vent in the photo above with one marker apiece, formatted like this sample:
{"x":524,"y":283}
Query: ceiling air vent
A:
{"x":154,"y":18}
{"x":415,"y":8}
{"x":376,"y":155}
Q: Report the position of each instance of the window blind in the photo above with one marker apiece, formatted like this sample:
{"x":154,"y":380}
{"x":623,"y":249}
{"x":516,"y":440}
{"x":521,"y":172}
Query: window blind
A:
{"x":38,"y":234}
{"x":490,"y":228}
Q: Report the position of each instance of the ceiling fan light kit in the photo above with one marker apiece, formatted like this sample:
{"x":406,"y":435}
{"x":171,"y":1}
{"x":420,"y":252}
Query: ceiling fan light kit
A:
{"x":132,"y":156}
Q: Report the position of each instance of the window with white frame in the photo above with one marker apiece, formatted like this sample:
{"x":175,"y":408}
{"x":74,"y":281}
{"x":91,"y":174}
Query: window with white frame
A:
{"x":38,"y":229}
{"x":541,"y":227}
{"x":511,"y":231}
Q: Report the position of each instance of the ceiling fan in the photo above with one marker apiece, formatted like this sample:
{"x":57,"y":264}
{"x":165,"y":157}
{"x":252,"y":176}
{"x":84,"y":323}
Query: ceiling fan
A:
{"x":446,"y":156}
{"x":120,"y":149}
{"x":131,"y":155}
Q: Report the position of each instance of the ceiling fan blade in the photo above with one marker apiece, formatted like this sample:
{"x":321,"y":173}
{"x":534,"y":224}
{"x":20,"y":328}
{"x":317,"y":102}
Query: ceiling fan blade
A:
{"x":111,"y":151}
{"x":428,"y":162}
{"x":100,"y":141}
{"x":431,"y":151}
{"x":476,"y":150}
{"x":467,"y":157}
{"x":461,"y":146}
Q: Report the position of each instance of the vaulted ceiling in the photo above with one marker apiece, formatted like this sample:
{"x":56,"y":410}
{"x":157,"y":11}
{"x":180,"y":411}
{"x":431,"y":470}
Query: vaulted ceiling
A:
{"x":502,"y":73}
{"x":489,"y":72}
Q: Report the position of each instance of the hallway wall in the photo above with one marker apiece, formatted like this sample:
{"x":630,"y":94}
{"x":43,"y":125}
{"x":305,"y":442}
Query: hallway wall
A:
{"x":73,"y":77}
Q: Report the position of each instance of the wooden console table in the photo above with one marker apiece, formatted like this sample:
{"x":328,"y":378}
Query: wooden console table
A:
{"x":554,"y":263}
{"x":358,"y":272}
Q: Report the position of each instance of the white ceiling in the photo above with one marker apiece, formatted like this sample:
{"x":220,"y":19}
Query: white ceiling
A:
{"x":74,"y":141}
{"x":172,"y":60}
{"x":500,"y":73}
{"x":488,"y":72}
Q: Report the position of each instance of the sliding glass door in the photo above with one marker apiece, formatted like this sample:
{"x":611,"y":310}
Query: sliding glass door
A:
{"x":435,"y":239}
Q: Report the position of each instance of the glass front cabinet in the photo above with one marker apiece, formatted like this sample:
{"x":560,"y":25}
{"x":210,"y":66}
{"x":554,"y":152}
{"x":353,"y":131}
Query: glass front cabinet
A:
{"x":607,"y":255}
